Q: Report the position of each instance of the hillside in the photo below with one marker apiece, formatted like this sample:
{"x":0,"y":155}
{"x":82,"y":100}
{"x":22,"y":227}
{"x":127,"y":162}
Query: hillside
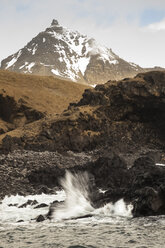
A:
{"x":126,"y":115}
{"x":27,"y":98}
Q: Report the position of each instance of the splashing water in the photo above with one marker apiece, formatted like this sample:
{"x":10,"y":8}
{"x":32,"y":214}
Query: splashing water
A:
{"x":77,"y":203}
{"x":119,"y":208}
{"x":73,"y":202}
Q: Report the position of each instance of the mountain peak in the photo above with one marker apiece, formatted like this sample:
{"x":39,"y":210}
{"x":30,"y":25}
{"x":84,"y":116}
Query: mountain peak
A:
{"x":61,"y":52}
{"x":54,"y":23}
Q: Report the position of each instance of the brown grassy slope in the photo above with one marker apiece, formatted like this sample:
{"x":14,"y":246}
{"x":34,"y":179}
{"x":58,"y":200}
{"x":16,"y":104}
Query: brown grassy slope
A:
{"x":45,"y":94}
{"x":22,"y":96}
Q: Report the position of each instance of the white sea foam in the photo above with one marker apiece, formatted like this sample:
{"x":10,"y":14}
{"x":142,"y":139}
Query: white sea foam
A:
{"x":160,"y":164}
{"x":13,"y":213}
{"x":119,"y":208}
{"x":77,"y":202}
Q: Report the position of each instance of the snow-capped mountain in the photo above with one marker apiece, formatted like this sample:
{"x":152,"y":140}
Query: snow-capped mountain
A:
{"x":61,"y":52}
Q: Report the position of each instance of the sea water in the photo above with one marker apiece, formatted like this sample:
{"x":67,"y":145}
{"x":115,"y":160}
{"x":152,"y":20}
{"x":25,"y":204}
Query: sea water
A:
{"x":109,"y":226}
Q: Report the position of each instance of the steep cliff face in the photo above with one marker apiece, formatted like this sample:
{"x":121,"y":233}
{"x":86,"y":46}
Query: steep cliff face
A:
{"x":61,"y":52}
{"x":125,"y":115}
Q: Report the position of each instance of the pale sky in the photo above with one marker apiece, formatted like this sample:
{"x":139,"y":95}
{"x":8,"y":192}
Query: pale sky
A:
{"x":134,"y":29}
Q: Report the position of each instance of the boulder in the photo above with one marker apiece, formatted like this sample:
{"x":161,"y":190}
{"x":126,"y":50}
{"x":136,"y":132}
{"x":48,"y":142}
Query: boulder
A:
{"x":40,"y":218}
{"x":29,"y":202}
{"x":42,"y":205}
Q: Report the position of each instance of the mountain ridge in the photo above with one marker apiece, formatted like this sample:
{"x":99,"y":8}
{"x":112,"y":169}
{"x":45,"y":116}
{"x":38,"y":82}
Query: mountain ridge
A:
{"x":63,"y":53}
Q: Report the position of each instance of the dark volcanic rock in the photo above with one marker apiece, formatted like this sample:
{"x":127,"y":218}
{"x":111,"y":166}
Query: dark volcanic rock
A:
{"x":42,"y":205}
{"x":106,"y":171}
{"x":40,"y":218}
{"x":143,"y":185}
{"x":29,"y":202}
{"x":126,"y":115}
{"x":149,"y":202}
{"x":20,"y":221}
{"x":28,"y":172}
{"x":13,"y":205}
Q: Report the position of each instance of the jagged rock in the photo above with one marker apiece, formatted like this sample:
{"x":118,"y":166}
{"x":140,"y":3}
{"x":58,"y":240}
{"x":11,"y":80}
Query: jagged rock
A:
{"x":42,"y":205}
{"x":20,"y":221}
{"x":40,"y":218}
{"x":55,"y":23}
{"x":143,"y":184}
{"x":149,"y":202}
{"x":29,"y":202}
{"x":13,"y":205}
{"x":11,"y":143}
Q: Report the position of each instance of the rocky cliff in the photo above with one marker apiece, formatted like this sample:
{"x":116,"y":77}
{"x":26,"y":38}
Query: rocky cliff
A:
{"x":115,"y":132}
{"x":122,"y":114}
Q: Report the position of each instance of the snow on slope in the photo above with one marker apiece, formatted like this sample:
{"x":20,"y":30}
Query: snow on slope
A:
{"x":14,"y":59}
{"x":81,"y":49}
{"x":66,"y":53}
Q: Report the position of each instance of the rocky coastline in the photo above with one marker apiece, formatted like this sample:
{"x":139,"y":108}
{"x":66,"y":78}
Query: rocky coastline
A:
{"x":116,"y":132}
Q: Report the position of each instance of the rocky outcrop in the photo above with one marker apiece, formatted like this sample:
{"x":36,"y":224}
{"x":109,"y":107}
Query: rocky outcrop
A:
{"x":143,"y":184}
{"x":125,"y":115}
{"x":28,"y":172}
{"x":17,"y":112}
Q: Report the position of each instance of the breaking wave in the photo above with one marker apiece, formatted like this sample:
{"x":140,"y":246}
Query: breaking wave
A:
{"x":77,"y":203}
{"x":71,"y":203}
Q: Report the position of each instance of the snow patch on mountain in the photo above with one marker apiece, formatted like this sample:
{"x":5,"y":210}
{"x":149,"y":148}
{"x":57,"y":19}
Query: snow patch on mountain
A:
{"x":34,"y":49}
{"x":27,"y":67}
{"x":103,"y":52}
{"x":78,"y":48}
{"x":14,"y":59}
{"x":56,"y":72}
{"x":134,"y":66}
{"x":82,"y":64}
{"x":30,"y":66}
{"x":69,"y":54}
{"x":22,"y":66}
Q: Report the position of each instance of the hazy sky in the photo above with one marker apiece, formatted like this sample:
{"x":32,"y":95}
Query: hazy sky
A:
{"x":134,"y":29}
